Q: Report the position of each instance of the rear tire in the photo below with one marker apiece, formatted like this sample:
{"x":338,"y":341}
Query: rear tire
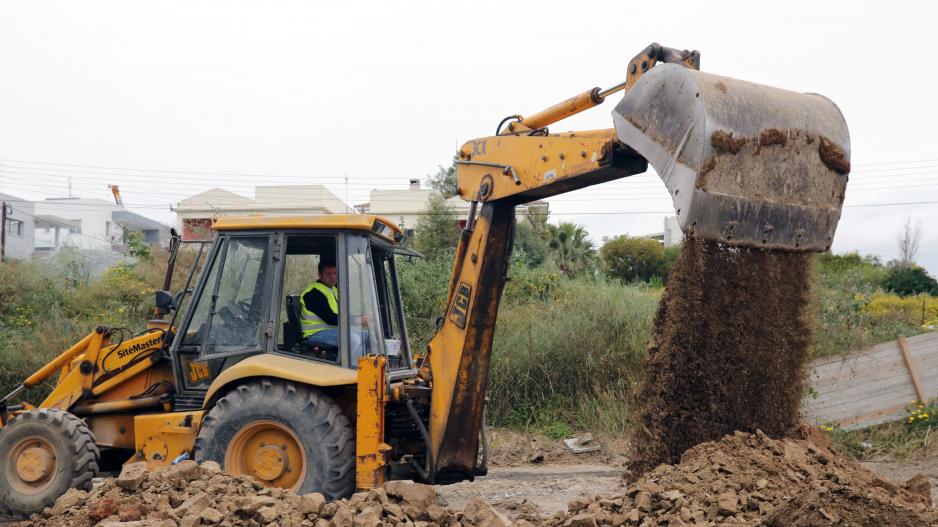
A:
{"x":285,"y":435}
{"x":43,"y":454}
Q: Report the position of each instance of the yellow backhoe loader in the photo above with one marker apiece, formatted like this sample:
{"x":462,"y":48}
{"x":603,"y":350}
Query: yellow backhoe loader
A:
{"x":233,"y":380}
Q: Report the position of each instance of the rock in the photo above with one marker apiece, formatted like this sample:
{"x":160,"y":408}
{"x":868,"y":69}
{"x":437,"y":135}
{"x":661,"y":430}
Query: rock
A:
{"x":210,"y":468}
{"x":416,"y":494}
{"x":266,"y":515}
{"x":187,"y":470}
{"x":329,"y":510}
{"x":439,"y":515}
{"x":481,"y":514}
{"x":367,"y":518}
{"x":129,"y":512}
{"x":394,"y":511}
{"x":379,"y":495}
{"x":728,"y":504}
{"x":193,"y":505}
{"x":103,"y":508}
{"x":672,"y":495}
{"x":344,"y":517}
{"x":583,"y":519}
{"x":132,"y":475}
{"x":312,"y":503}
{"x":211,"y":516}
{"x":71,"y":498}
{"x":251,"y":504}
{"x":643,"y":501}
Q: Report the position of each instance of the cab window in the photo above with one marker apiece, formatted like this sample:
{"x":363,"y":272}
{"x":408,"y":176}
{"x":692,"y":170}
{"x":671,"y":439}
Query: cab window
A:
{"x":302,"y":257}
{"x":229,"y":314}
{"x":392,"y":323}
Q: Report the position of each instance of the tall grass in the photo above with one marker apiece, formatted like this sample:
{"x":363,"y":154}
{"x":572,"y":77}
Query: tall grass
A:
{"x":572,"y":358}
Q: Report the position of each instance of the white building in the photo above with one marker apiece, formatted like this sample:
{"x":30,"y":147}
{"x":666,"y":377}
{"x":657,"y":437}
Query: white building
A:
{"x":406,"y":206}
{"x":195,"y":214}
{"x":19,"y":227}
{"x":36,"y":228}
{"x":671,"y":235}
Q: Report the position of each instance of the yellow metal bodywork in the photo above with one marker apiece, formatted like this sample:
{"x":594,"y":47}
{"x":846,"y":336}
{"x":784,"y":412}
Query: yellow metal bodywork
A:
{"x":282,"y":367}
{"x":370,"y":449}
{"x":161,"y":438}
{"x":360,"y":222}
{"x":98,"y":367}
{"x":524,"y":168}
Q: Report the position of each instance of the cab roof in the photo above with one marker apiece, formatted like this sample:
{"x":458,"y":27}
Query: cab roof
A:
{"x":359,"y":222}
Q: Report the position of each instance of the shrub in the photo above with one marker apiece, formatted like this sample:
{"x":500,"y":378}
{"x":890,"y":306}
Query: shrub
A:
{"x":634,"y":259}
{"x":909,"y":280}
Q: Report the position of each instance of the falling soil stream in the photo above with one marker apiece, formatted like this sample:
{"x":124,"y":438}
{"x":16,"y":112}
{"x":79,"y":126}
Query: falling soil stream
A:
{"x":728,"y":350}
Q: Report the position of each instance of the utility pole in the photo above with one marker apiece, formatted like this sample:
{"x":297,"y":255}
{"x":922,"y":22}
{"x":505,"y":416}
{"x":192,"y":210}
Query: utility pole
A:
{"x":3,"y":231}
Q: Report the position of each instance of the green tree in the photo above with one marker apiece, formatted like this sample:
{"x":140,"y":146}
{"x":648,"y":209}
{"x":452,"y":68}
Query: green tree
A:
{"x":444,"y":180}
{"x":136,"y":245}
{"x":530,"y":245}
{"x":630,"y":259}
{"x":437,"y":230}
{"x":570,"y":248}
{"x":908,"y":279}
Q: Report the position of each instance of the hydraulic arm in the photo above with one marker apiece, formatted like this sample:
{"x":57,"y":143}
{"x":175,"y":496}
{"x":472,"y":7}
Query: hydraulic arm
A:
{"x":745,"y":164}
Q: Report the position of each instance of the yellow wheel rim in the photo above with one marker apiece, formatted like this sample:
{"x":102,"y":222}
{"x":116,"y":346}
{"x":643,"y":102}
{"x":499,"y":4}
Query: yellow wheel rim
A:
{"x":31,"y":465}
{"x":270,"y":452}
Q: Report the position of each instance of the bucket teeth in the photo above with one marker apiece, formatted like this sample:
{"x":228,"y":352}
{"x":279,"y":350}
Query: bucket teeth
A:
{"x":745,"y":164}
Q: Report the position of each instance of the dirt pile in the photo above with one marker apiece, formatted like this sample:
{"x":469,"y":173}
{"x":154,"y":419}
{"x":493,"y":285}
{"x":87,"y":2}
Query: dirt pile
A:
{"x":751,"y":479}
{"x":728,"y":350}
{"x":743,"y":479}
{"x":189,"y":495}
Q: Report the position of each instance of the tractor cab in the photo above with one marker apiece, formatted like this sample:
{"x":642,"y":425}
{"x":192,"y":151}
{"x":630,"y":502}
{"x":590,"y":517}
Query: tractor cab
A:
{"x":249,"y":299}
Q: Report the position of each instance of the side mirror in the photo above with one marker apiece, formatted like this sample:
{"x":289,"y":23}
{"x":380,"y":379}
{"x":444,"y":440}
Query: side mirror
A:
{"x":164,"y":301}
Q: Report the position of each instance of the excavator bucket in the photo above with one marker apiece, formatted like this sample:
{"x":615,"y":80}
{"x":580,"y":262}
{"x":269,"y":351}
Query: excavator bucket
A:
{"x":745,"y":164}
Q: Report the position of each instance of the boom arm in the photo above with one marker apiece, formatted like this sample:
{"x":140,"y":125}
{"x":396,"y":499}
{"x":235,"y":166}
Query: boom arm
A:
{"x":521,"y":164}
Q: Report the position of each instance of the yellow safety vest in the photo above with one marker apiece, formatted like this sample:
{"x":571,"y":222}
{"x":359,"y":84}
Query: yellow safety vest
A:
{"x":309,"y":321}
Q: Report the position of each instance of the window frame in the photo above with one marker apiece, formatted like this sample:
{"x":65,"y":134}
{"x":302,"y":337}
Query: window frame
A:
{"x":218,"y":256}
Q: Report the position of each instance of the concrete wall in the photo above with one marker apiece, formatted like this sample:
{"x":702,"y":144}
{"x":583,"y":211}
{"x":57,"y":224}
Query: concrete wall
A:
{"x":97,"y":231}
{"x":20,"y":228}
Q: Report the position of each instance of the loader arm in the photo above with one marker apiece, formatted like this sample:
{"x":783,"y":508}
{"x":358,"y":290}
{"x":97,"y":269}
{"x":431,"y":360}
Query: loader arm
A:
{"x":777,"y":183}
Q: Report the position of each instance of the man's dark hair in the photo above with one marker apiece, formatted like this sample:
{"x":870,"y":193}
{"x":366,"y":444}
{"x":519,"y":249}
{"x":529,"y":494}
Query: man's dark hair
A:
{"x":325,"y":263}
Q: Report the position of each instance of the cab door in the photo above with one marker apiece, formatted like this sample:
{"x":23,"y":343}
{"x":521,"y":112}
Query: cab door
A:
{"x":229,"y":316}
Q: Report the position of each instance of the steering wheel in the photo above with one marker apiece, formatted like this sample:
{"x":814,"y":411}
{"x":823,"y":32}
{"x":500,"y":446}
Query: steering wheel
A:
{"x":244,"y":306}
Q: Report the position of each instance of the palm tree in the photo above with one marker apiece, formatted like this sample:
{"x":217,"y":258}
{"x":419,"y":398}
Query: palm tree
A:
{"x":571,"y":247}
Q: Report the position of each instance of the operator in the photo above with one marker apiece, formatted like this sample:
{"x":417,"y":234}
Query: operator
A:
{"x":319,"y":312}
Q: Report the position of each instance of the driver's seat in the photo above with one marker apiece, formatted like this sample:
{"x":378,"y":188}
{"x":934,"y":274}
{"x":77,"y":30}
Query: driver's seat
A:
{"x":293,"y":334}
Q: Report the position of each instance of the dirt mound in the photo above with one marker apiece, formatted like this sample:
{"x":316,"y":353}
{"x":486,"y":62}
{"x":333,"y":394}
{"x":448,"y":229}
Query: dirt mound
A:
{"x":189,"y":495}
{"x":728,"y":350}
{"x":751,"y":479}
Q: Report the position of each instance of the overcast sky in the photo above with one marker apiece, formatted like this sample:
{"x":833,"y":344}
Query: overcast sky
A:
{"x":180,"y":97}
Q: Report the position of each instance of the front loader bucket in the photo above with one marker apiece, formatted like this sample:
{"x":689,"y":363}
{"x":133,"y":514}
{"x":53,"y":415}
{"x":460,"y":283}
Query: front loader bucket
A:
{"x":746,"y":164}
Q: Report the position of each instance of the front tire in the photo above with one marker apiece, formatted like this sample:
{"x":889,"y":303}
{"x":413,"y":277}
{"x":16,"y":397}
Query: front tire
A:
{"x":285,"y":435}
{"x":44,"y":453}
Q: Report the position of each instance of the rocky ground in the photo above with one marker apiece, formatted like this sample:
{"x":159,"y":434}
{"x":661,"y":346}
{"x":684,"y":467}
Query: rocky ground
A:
{"x":743,"y":479}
